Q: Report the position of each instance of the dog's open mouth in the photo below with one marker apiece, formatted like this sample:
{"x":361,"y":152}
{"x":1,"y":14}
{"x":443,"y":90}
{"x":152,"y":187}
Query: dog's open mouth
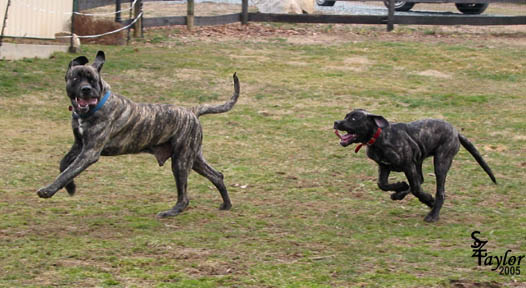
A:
{"x":84,"y":104}
{"x":346,"y":139}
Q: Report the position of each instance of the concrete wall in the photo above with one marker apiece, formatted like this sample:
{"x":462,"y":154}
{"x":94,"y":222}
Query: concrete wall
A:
{"x":10,"y":51}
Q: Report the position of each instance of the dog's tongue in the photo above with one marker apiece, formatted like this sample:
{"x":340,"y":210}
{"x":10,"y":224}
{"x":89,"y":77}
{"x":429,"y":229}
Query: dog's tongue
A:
{"x":85,"y":102}
{"x":338,"y":134}
{"x":345,"y":138}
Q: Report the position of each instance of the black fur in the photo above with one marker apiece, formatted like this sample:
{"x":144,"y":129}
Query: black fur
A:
{"x":402,"y":147}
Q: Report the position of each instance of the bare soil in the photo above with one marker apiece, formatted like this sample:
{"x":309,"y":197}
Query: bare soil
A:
{"x":337,"y":33}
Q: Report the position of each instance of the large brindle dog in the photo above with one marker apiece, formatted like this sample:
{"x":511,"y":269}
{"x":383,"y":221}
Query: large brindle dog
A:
{"x":108,"y":124}
{"x":402,"y":147}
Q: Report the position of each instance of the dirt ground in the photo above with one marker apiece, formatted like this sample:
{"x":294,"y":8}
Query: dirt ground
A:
{"x":336,"y":33}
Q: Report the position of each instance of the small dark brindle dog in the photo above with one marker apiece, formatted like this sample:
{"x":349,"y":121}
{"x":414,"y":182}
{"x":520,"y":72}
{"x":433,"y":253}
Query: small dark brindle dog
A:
{"x":108,"y":124}
{"x":402,"y":147}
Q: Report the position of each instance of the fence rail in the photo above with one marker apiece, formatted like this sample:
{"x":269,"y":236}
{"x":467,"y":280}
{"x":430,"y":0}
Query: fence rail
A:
{"x":459,"y":20}
{"x":198,"y":20}
{"x":397,"y":19}
{"x":88,"y":4}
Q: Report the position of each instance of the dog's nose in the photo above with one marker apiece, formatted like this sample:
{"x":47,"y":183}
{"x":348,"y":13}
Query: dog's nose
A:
{"x":336,"y":123}
{"x":85,"y":89}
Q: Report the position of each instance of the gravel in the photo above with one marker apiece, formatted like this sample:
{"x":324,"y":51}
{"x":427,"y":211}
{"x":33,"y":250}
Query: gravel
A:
{"x":347,"y":8}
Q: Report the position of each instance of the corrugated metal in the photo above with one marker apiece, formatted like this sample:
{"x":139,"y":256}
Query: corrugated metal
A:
{"x":36,"y":18}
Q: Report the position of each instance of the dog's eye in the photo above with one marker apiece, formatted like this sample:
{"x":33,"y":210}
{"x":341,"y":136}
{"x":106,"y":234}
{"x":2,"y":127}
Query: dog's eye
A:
{"x":353,"y":119}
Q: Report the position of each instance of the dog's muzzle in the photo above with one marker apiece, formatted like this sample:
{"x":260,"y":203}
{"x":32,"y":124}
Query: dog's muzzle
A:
{"x":86,"y":100}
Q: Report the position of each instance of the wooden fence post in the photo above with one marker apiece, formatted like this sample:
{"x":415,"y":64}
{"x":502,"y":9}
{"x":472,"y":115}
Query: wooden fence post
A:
{"x":117,"y":10}
{"x":190,"y":15}
{"x":244,"y":12}
{"x":137,"y":31}
{"x":390,"y":16}
{"x":129,"y":27}
{"x":72,"y":48}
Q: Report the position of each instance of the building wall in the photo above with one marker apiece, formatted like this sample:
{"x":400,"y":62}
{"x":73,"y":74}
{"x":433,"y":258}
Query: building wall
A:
{"x":36,"y":18}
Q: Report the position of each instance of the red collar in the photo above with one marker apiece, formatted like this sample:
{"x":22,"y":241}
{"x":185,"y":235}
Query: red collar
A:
{"x":371,"y":141}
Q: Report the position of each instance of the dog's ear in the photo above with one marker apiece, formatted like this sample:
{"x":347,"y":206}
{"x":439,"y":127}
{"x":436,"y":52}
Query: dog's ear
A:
{"x":99,"y":61}
{"x":380,"y":121}
{"x":81,"y":60}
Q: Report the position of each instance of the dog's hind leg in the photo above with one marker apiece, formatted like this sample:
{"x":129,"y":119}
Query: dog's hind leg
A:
{"x":413,"y":176}
{"x":216,"y":177}
{"x":181,"y":166}
{"x":442,"y":165}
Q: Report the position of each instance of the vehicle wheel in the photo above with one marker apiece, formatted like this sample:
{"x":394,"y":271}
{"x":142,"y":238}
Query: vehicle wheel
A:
{"x":400,"y":5}
{"x":471,"y":8}
{"x":325,"y":3}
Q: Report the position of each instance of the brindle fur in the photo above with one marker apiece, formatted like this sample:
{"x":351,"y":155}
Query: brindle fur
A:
{"x":402,"y":147}
{"x":122,"y":126}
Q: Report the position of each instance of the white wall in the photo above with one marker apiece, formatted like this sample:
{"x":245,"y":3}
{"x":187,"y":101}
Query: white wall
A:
{"x":36,"y":18}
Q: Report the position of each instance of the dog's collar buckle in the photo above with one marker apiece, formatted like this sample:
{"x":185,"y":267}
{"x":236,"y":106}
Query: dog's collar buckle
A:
{"x":371,"y":141}
{"x":75,"y":115}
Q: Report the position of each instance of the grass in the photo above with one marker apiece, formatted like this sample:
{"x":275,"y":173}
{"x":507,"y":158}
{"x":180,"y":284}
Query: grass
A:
{"x":307,"y":212}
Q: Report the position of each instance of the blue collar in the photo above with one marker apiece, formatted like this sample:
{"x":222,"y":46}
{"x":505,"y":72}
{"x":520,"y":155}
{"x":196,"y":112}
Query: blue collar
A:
{"x":75,"y":115}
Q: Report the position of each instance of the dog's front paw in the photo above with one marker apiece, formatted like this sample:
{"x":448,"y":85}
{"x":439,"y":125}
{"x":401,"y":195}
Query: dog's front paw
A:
{"x":169,"y":213}
{"x":46,"y":192}
{"x":71,"y":188}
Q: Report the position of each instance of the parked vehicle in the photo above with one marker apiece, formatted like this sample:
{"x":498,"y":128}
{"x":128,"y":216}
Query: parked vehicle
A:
{"x":466,"y":8}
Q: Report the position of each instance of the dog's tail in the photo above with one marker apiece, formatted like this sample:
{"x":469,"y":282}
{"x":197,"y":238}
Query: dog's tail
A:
{"x":473,"y":151}
{"x":227,"y":106}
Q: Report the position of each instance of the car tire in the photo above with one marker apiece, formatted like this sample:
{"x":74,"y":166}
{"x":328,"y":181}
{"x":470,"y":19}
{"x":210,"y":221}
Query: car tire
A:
{"x":400,"y":5}
{"x":325,"y":3}
{"x":471,"y":8}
